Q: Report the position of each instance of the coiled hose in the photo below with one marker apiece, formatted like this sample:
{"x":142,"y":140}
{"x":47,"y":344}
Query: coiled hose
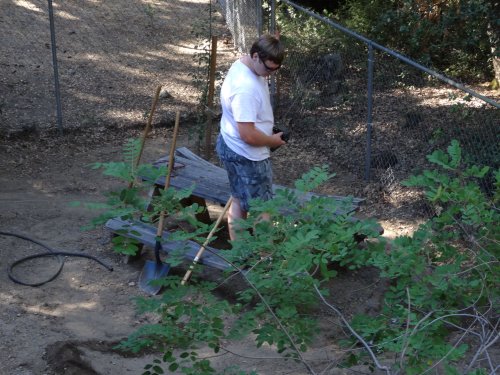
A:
{"x":50,"y":253}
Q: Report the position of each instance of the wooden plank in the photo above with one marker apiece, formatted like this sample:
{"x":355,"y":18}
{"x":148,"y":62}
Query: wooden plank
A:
{"x":211,"y":182}
{"x":146,"y":234}
{"x":185,"y":153}
{"x":188,"y":154}
{"x":211,"y":191}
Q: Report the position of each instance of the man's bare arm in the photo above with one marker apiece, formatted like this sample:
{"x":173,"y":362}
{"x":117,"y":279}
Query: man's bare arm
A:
{"x":254,"y":137}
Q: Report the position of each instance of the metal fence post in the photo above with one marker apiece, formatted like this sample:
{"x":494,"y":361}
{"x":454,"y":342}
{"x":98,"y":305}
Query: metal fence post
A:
{"x":260,"y":18}
{"x":210,"y":98}
{"x":369,"y":114}
{"x":56,"y":71}
{"x":272,"y":30}
{"x":272,"y":24}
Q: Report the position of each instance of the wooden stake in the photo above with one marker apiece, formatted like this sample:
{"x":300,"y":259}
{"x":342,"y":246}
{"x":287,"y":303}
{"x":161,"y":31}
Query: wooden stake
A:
{"x":171,"y":163}
{"x":210,"y":99}
{"x":146,"y":131}
{"x":202,"y":248}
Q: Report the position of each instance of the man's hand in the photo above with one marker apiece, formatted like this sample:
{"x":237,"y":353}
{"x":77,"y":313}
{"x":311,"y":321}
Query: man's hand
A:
{"x":280,"y":134}
{"x":254,"y":137}
{"x":277,"y":140}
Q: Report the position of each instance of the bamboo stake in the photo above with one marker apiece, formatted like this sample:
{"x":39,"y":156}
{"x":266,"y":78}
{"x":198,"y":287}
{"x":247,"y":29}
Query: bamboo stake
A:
{"x":146,"y":131}
{"x":171,"y":162}
{"x":202,"y":248}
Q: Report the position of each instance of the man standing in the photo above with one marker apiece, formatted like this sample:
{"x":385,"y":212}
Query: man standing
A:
{"x":246,"y":133}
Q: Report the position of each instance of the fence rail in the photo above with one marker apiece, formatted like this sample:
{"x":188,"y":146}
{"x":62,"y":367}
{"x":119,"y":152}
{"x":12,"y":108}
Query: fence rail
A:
{"x":111,"y":56}
{"x":377,"y":113}
{"x":367,"y":110}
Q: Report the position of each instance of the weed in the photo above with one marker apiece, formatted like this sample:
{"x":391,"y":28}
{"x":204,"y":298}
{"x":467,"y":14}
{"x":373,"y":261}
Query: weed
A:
{"x":443,"y":277}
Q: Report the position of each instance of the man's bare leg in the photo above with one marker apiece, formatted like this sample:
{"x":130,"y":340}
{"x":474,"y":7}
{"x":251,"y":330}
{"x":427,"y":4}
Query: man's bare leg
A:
{"x":235,"y":213}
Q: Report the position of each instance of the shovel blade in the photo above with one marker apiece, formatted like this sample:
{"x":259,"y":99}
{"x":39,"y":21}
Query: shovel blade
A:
{"x":152,"y":271}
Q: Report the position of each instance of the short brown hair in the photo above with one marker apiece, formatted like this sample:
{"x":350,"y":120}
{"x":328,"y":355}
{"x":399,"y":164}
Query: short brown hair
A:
{"x":269,"y":48}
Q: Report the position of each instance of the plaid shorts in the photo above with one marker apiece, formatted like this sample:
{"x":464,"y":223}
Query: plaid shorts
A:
{"x":248,"y":179}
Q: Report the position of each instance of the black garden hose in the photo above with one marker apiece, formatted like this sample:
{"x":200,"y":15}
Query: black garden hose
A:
{"x":51,"y":253}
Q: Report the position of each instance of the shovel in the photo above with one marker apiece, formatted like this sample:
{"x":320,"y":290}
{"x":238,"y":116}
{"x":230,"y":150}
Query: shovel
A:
{"x":154,"y":270}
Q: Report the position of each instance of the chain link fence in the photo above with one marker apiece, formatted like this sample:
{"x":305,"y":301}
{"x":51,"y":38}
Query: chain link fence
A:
{"x":369,"y":111}
{"x":244,"y":19}
{"x":111,"y":57}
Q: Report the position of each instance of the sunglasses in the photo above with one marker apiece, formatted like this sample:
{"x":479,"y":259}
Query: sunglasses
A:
{"x":268,"y":68}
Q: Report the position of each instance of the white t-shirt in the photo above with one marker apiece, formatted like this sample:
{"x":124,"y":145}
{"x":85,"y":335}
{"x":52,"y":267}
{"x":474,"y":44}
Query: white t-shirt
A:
{"x":245,"y":98}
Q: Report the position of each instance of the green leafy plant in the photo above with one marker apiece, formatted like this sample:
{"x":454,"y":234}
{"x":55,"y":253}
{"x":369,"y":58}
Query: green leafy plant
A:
{"x":126,"y":202}
{"x":444,"y":277}
{"x":284,"y":261}
{"x":150,"y":11}
{"x":189,"y":315}
{"x":456,"y":37}
{"x":134,"y":202}
{"x":450,"y":36}
{"x":441,"y":301}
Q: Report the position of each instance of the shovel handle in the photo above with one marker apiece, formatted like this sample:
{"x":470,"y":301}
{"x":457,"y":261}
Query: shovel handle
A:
{"x":202,"y":248}
{"x":171,"y":159}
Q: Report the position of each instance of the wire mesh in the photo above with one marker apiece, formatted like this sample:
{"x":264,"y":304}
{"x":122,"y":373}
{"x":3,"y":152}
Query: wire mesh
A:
{"x":25,"y":72}
{"x":324,"y":89}
{"x":244,"y":19}
{"x":111,"y":55}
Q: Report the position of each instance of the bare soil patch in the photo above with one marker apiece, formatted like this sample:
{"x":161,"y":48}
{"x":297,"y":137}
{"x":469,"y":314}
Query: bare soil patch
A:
{"x":72,"y":324}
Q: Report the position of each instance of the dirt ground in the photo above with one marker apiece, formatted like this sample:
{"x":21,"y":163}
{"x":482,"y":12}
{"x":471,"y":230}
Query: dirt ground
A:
{"x":71,"y":324}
